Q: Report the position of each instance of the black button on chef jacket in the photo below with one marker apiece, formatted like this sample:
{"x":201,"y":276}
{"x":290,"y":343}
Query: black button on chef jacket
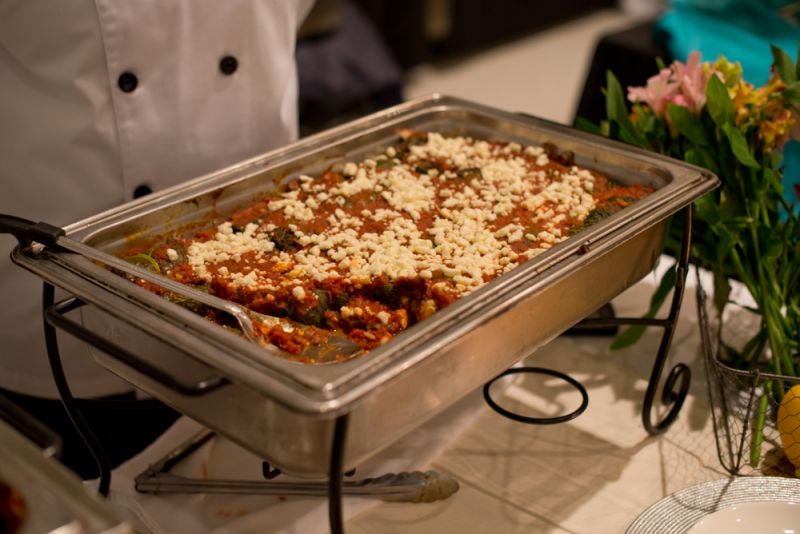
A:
{"x":127,"y":82}
{"x":228,"y":65}
{"x":142,"y":190}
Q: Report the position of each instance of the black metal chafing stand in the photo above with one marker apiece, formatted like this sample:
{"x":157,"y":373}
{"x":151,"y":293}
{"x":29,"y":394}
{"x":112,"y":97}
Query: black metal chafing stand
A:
{"x":407,"y":487}
{"x":676,"y":385}
{"x":55,"y":316}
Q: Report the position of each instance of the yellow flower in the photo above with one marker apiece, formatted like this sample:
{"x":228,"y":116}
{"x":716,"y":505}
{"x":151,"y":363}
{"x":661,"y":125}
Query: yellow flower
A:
{"x":765,"y":110}
{"x":731,"y":72}
{"x":775,"y":131}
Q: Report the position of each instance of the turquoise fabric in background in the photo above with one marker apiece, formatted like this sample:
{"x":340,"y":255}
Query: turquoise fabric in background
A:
{"x":741,"y":30}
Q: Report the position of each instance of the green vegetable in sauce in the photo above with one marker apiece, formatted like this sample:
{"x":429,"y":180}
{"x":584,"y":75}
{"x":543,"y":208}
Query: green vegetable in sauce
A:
{"x":316,"y":316}
{"x":144,"y":261}
{"x":470,"y":173}
{"x":284,"y":239}
{"x":425,"y":166}
{"x":180,"y":252}
{"x":604,"y":210}
{"x":418,"y":139}
{"x":384,"y":292}
{"x":189,"y":303}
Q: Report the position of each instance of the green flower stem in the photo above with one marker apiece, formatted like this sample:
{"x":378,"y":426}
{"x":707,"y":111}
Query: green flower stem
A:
{"x":781,"y":361}
{"x":746,"y":230}
{"x":758,"y":426}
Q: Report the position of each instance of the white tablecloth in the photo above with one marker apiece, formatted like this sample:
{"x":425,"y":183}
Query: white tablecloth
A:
{"x":222,"y":459}
{"x":594,"y":474}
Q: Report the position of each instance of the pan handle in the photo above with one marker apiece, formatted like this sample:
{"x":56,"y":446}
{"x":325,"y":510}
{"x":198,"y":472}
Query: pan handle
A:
{"x":27,"y":231}
{"x":55,"y":316}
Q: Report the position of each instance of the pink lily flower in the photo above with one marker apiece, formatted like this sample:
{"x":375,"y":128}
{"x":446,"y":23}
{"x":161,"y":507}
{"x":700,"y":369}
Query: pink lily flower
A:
{"x":658,"y":91}
{"x":680,"y":84}
{"x":693,"y":81}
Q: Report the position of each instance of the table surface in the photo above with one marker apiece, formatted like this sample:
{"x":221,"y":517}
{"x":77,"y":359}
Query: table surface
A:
{"x":595,"y":474}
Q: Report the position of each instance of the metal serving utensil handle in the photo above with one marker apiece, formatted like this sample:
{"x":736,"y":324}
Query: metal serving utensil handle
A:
{"x":240,"y":313}
{"x":27,"y":231}
{"x":338,"y":347}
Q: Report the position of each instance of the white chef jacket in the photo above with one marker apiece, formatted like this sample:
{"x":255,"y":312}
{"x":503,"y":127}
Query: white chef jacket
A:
{"x":103,"y":98}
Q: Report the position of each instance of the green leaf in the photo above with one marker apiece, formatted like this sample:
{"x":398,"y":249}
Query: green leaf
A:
{"x":719,"y":103}
{"x":617,"y":110}
{"x":615,"y":100}
{"x":726,"y":240}
{"x":688,"y":124}
{"x":773,"y":179}
{"x":797,"y":68}
{"x":727,"y":204}
{"x":722,"y":291}
{"x":702,"y":158}
{"x":739,"y":146}
{"x":784,"y":65}
{"x":647,"y":122}
{"x":631,"y":335}
{"x":587,"y":126}
{"x":628,"y":337}
{"x":792,"y":94}
{"x":770,"y":244}
{"x":693,"y":156}
{"x":703,"y":250}
{"x":734,"y":224}
{"x":628,"y":137}
{"x":613,"y":129}
{"x":706,"y":209}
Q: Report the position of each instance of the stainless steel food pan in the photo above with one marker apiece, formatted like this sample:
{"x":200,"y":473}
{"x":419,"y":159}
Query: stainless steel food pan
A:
{"x":284,"y":411}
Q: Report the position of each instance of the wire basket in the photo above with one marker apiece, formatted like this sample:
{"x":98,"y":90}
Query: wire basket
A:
{"x":736,"y":398}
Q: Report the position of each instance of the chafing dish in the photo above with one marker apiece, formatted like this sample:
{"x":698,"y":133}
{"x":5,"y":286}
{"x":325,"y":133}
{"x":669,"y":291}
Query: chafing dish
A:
{"x":285,"y":411}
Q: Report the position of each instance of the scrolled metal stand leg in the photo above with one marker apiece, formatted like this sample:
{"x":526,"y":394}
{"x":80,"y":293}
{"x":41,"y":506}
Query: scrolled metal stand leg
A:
{"x":676,"y":385}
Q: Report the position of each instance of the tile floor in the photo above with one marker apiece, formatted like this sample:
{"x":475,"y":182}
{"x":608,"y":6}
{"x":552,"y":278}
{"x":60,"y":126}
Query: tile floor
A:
{"x":595,"y":474}
{"x":542,"y":74}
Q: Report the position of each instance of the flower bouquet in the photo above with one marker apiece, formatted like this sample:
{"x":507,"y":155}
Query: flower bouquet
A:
{"x":708,"y":115}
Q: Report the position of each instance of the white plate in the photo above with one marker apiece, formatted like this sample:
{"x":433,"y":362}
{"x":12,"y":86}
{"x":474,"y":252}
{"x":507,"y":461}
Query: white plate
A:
{"x":736,"y":505}
{"x":766,"y":517}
